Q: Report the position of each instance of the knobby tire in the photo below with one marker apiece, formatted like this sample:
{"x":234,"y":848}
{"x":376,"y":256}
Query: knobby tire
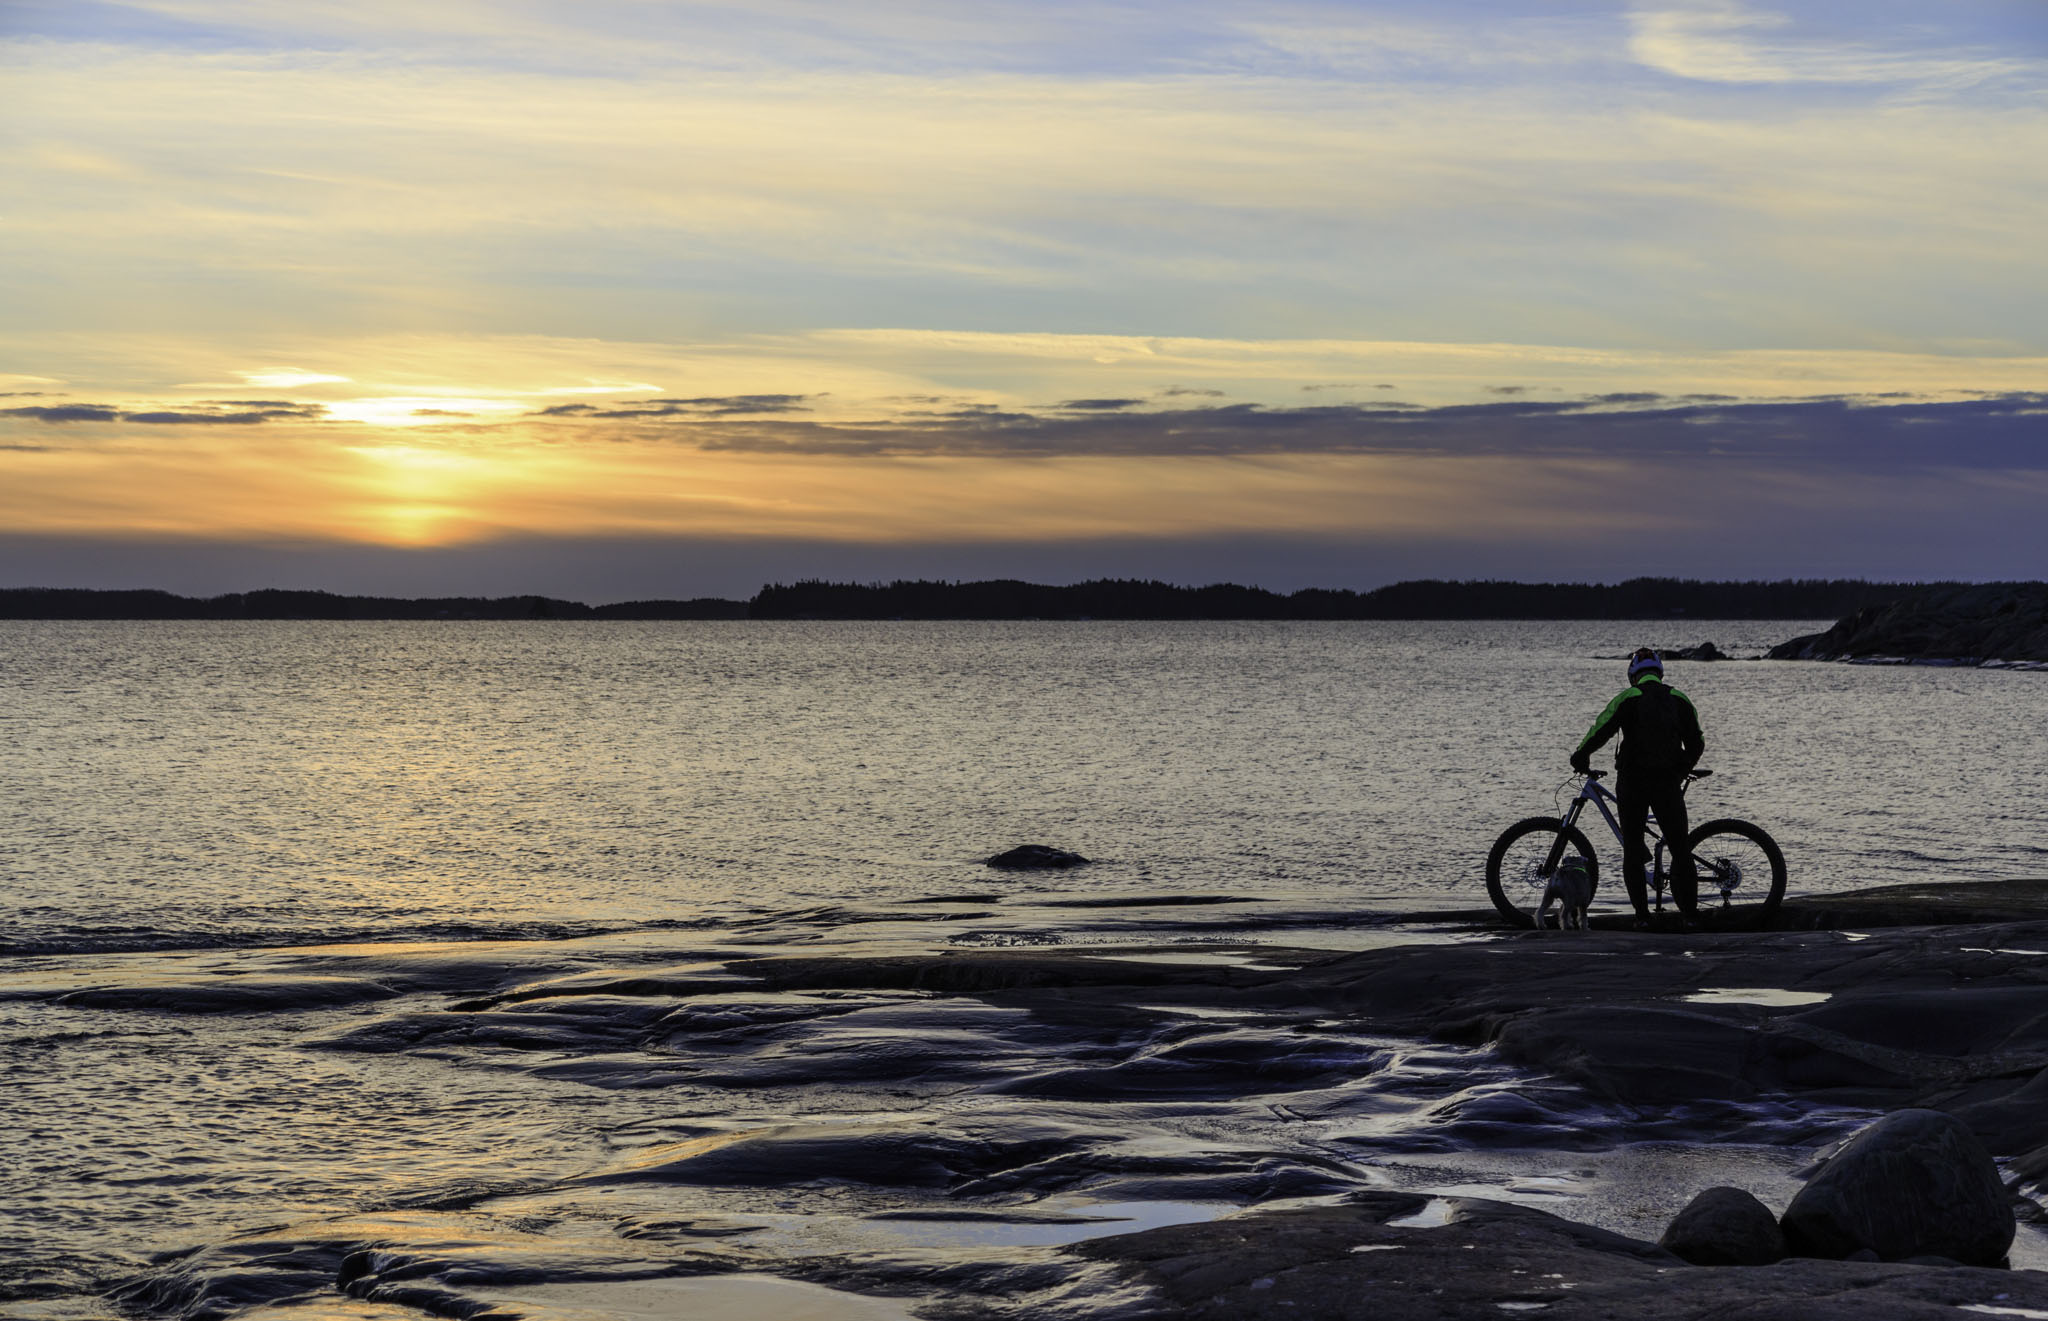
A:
{"x":1766,"y":897}
{"x":1504,"y":891}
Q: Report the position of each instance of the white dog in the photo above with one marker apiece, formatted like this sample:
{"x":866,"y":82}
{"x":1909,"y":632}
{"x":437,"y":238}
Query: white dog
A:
{"x":1571,"y":888}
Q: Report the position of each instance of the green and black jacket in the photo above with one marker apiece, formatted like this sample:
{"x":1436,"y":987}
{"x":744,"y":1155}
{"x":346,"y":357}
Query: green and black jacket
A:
{"x":1660,"y":730}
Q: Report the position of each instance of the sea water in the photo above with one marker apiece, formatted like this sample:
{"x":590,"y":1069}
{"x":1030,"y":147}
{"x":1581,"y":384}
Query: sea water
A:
{"x":206,"y":783}
{"x":228,"y":847}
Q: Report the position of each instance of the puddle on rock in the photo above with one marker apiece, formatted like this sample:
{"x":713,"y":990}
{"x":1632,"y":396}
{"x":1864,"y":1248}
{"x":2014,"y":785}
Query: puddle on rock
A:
{"x":1199,"y":1011}
{"x":1434,"y":1215}
{"x":1757,"y":995}
{"x":1207,"y":958}
{"x":1048,"y":1224}
{"x":702,"y":1298}
{"x":1080,"y":1221}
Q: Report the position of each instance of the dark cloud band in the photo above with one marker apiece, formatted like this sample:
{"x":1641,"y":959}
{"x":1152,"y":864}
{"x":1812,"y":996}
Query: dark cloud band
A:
{"x":738,"y":405}
{"x":236,"y":413}
{"x":2008,"y":431}
{"x":1992,"y":431}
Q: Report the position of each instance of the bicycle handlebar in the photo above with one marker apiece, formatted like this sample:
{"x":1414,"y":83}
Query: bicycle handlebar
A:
{"x":1690,"y":775}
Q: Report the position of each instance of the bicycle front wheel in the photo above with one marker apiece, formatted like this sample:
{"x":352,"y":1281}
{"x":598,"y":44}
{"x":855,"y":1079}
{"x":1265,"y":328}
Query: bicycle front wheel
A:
{"x":1744,"y":864}
{"x":1523,"y":860}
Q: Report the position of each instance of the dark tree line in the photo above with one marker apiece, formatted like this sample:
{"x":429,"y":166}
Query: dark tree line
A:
{"x":81,"y":603}
{"x":1639,"y":598}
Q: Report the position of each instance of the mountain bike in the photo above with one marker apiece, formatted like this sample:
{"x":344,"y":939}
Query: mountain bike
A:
{"x":1736,"y":857}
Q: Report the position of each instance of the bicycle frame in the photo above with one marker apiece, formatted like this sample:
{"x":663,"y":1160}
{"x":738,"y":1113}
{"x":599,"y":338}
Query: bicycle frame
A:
{"x":1600,"y":796}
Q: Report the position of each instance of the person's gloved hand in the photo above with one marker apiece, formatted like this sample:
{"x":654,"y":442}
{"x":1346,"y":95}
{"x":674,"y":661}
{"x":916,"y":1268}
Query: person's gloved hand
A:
{"x":1581,"y":763}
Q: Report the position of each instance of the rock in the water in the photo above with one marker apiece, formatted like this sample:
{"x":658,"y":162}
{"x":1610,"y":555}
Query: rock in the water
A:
{"x":1915,"y":1183}
{"x":1706,"y":651}
{"x":1725,"y":1227}
{"x":1036,"y":855}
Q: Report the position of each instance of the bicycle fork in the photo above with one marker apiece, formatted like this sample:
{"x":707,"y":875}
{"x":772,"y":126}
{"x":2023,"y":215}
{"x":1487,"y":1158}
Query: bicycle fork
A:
{"x":1558,"y":845}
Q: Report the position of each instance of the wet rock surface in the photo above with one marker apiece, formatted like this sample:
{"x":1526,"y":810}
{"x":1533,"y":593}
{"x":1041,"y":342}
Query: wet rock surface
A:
{"x":1469,"y":1123}
{"x":1917,"y":1183}
{"x":1725,"y":1227}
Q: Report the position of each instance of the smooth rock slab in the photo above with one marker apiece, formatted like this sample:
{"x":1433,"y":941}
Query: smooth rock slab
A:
{"x":1915,"y":1183}
{"x":1725,"y":1227}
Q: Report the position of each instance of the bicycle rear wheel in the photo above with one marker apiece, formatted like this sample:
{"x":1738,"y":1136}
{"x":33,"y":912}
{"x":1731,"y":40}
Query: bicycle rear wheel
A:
{"x":1520,"y":865}
{"x":1744,"y":864}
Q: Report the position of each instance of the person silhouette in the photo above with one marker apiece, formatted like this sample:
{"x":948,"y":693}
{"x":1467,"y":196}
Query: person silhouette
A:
{"x":1660,"y":743}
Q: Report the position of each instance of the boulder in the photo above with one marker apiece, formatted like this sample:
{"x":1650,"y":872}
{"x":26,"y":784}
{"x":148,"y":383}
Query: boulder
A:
{"x":1036,"y":855}
{"x":1916,"y":1183}
{"x":1706,"y":651}
{"x":1725,"y":1227}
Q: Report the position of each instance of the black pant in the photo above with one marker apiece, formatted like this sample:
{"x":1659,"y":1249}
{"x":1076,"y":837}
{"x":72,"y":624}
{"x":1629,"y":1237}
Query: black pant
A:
{"x":1640,"y":795}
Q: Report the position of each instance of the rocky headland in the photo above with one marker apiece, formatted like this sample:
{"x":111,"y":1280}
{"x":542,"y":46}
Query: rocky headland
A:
{"x":1988,"y":623}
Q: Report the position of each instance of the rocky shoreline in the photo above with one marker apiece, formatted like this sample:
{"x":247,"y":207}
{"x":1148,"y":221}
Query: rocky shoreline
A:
{"x":1993,"y":625}
{"x":1309,"y":1134}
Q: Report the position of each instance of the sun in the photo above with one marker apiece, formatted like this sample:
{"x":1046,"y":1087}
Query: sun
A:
{"x":416,"y":495}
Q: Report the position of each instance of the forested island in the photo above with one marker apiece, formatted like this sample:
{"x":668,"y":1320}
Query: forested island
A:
{"x":84,"y":603}
{"x":1638,"y":598}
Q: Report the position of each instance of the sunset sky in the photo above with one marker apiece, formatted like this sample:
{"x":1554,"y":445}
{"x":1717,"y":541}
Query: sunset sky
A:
{"x":628,"y":298}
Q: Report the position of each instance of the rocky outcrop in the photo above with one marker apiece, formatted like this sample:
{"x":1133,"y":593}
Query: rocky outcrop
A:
{"x":1916,"y":1183}
{"x":1705,"y":651}
{"x":1488,"y":1259}
{"x":1919,"y":903}
{"x":2005,"y":622}
{"x":1035,"y":856}
{"x":1725,"y":1227}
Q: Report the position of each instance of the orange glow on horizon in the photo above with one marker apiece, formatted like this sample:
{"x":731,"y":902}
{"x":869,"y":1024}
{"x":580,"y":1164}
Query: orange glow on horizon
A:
{"x":407,"y":491}
{"x":419,"y":441}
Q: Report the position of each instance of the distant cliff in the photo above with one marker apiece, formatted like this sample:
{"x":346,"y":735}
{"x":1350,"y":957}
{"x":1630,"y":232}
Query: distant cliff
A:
{"x":1942,"y":622}
{"x":1639,"y":598}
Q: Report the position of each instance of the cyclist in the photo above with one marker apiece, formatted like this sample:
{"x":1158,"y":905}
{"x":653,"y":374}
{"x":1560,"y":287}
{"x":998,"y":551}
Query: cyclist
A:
{"x":1660,"y":743}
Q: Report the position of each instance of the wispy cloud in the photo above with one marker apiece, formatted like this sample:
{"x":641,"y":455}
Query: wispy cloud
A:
{"x":1552,"y":199}
{"x":1725,"y":41}
{"x":231,"y":413}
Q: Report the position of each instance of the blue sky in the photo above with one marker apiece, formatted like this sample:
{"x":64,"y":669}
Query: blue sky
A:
{"x":1409,"y":261}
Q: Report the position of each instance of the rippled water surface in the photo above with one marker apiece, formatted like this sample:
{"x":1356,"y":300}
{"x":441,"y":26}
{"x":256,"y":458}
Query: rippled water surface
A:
{"x":200,"y":816}
{"x":225,"y":781}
